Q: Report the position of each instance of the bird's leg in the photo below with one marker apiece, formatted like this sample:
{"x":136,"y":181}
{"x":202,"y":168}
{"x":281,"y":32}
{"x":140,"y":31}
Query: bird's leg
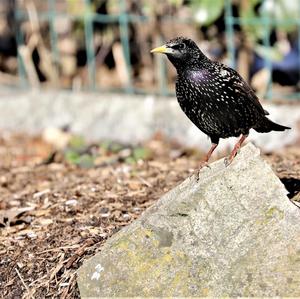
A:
{"x":235,"y":150}
{"x":208,"y":155}
{"x":204,"y":163}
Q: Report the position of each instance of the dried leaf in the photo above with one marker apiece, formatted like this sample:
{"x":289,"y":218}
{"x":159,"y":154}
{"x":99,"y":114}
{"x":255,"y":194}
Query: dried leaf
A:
{"x":7,"y":217}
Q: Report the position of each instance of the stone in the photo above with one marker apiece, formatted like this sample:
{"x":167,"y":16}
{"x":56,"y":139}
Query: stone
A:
{"x":233,"y":232}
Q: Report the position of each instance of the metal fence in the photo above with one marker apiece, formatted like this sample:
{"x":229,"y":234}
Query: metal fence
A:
{"x":124,"y":18}
{"x":267,"y":22}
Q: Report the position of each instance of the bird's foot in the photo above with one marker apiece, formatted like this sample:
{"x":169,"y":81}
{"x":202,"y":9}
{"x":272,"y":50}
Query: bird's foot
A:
{"x":227,"y":161}
{"x":202,"y":165}
{"x":235,"y":151}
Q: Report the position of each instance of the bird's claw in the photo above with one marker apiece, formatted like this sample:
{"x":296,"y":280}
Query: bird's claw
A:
{"x":201,"y":166}
{"x":227,"y":161}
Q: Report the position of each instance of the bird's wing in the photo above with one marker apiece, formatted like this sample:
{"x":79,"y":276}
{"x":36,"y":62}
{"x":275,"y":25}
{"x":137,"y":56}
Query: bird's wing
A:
{"x":242,"y":89}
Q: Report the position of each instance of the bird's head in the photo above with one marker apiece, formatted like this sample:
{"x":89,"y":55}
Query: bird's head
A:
{"x":181,"y":52}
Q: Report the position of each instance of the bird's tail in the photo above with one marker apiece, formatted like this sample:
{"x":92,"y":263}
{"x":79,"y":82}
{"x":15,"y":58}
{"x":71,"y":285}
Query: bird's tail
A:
{"x":267,"y":125}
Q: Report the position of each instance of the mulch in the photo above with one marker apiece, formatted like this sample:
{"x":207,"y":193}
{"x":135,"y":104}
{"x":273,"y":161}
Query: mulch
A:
{"x":55,"y":215}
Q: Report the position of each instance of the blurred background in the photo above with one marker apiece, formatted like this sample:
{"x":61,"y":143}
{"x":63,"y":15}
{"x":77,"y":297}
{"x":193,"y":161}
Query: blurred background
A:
{"x":104,"y":45}
{"x":84,"y":67}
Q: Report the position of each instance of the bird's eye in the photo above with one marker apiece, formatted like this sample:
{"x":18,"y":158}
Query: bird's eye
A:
{"x":179,"y":46}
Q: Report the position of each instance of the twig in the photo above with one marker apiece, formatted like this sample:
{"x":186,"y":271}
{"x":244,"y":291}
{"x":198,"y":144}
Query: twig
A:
{"x":144,"y":181}
{"x":36,"y":42}
{"x":38,"y":280}
{"x":22,"y":280}
{"x":25,"y":53}
{"x":120,"y":63}
{"x":79,"y":252}
{"x":70,"y":285}
{"x":59,"y":265}
{"x":59,"y":248}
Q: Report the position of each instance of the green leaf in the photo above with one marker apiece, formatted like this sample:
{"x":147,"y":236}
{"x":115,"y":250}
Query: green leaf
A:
{"x":77,"y":143}
{"x":105,"y":145}
{"x":115,"y":147}
{"x":207,"y":11}
{"x":282,"y":10}
{"x":72,"y":156}
{"x":271,"y":53}
{"x":247,"y":12}
{"x":85,"y":161}
{"x":109,"y":146}
{"x":130,"y":160}
{"x":141,"y":153}
{"x":176,"y":3}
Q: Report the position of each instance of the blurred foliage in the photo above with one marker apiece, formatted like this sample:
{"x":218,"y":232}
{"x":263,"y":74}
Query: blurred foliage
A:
{"x":139,"y":153}
{"x":176,"y":3}
{"x":109,"y":146}
{"x":257,"y":23}
{"x":247,"y":12}
{"x":77,"y":142}
{"x":272,"y":53}
{"x":279,"y":11}
{"x":275,"y":15}
{"x":84,"y":155}
{"x":206,"y":11}
{"x":77,"y":153}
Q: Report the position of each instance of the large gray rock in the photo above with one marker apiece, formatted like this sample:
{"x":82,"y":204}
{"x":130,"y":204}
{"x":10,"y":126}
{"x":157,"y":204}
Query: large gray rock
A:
{"x":231,"y":233}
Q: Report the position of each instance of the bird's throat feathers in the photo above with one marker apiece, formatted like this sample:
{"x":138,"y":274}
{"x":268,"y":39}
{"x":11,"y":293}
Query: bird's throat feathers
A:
{"x":188,"y":61}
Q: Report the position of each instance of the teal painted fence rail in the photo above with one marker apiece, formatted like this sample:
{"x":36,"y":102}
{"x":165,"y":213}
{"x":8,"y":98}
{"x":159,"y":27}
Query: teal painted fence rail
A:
{"x":124,"y":19}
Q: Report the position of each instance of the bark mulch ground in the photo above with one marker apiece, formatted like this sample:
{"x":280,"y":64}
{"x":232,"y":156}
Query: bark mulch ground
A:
{"x":54,"y":215}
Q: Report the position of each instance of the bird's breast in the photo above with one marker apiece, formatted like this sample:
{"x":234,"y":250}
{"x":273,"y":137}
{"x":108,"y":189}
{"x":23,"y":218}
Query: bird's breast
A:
{"x":192,"y":98}
{"x":193,"y":89}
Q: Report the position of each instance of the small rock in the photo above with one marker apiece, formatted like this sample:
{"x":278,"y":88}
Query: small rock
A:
{"x":71,"y":202}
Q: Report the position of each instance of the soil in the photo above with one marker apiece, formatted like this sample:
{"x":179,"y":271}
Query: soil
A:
{"x":55,"y":214}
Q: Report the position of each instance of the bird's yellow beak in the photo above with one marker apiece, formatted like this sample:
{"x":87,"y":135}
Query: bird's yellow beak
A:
{"x":162,"y":49}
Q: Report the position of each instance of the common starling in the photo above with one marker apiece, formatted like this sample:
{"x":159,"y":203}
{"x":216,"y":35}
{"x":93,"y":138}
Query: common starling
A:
{"x":215,"y":97}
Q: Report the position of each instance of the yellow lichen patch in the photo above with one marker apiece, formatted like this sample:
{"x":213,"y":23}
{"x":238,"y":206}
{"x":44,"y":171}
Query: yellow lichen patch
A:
{"x":170,"y":268}
{"x":205,"y":292}
{"x":270,"y":214}
{"x":275,"y":212}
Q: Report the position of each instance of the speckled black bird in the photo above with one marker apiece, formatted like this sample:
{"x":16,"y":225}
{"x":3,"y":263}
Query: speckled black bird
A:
{"x":215,"y":97}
